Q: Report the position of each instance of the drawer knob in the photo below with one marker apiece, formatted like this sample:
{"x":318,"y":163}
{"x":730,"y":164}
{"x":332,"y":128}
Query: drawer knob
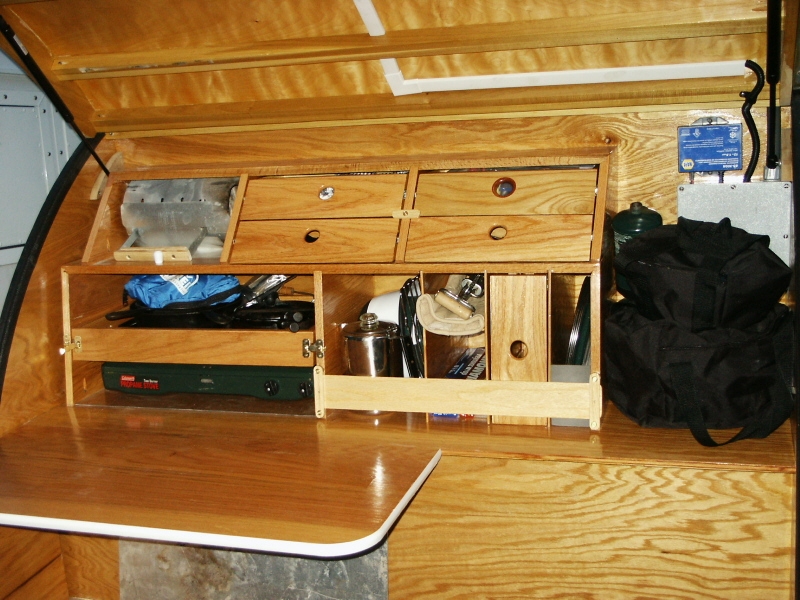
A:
{"x":504,"y":187}
{"x":498,"y":232}
{"x":326,"y":193}
{"x":312,"y":236}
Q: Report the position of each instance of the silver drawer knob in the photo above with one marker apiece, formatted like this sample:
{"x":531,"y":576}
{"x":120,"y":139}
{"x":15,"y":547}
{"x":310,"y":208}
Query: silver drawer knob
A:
{"x":326,"y":193}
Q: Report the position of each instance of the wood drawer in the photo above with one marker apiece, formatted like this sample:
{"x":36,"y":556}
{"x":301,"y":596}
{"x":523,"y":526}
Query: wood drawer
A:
{"x":546,"y":238}
{"x":207,"y":346}
{"x":316,"y":241}
{"x":307,"y":197}
{"x":547,"y":191}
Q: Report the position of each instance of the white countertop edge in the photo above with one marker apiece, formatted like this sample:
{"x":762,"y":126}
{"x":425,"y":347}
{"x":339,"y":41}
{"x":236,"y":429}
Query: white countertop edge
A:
{"x":233,"y":542}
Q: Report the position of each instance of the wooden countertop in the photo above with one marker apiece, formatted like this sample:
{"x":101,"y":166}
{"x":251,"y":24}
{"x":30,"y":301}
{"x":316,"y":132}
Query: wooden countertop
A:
{"x":290,"y":484}
{"x":230,"y":480}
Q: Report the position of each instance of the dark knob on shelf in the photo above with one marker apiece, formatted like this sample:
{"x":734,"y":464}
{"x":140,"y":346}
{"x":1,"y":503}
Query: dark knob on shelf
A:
{"x":272,"y":387}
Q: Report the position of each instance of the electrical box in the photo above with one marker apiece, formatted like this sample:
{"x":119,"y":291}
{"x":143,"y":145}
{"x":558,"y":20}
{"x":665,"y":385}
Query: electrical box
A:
{"x":757,"y":207}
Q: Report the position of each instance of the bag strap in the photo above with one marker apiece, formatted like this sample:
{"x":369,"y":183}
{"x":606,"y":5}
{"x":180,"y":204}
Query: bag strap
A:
{"x":682,"y":375}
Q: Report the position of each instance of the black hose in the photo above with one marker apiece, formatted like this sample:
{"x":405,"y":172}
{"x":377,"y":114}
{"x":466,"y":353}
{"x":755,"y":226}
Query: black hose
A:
{"x":750,"y":99}
{"x":33,"y":247}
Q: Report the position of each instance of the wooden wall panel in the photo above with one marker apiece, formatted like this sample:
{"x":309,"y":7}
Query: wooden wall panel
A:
{"x":92,"y":566}
{"x":23,"y":553}
{"x":47,"y":584}
{"x":643,"y":165}
{"x":538,"y":529}
{"x":34,"y":379}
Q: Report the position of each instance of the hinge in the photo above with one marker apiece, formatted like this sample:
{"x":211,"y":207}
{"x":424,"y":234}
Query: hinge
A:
{"x":70,"y":344}
{"x":406,"y":214}
{"x":318,"y":348}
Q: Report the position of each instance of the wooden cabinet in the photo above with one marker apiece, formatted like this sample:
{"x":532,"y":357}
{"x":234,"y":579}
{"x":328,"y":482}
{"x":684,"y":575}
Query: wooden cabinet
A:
{"x":527,"y":224}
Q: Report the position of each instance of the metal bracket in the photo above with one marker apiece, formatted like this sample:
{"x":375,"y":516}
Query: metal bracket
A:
{"x":318,"y":348}
{"x":70,"y":344}
{"x":406,"y":214}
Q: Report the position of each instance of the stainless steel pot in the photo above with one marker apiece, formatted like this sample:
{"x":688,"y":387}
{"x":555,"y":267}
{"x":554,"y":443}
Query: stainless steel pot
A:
{"x":372,"y":348}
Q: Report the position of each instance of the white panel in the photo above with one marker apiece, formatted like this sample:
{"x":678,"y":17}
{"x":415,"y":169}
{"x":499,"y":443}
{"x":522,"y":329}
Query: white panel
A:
{"x":35,"y":145}
{"x":22,"y":172}
{"x":7,"y":65}
{"x":6,"y":273}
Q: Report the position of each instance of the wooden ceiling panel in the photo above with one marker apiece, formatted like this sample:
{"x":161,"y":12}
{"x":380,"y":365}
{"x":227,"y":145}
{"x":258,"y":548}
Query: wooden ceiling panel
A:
{"x":594,"y":56}
{"x":423,"y":14}
{"x":75,"y":27}
{"x":150,"y":66}
{"x":321,"y":81}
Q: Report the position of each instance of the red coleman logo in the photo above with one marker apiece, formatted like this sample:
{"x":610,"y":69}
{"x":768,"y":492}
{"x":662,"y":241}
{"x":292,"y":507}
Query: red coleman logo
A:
{"x":130,"y":381}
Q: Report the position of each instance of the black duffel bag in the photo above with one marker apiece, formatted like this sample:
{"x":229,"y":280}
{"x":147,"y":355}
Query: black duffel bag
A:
{"x":702,"y":275}
{"x":700,"y":341}
{"x":662,"y":375}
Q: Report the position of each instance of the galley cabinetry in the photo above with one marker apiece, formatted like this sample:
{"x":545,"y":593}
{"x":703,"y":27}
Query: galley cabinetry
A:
{"x":531,"y":225}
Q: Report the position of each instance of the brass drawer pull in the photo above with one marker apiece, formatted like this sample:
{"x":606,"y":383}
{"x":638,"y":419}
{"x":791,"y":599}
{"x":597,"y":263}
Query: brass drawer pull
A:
{"x":504,"y":187}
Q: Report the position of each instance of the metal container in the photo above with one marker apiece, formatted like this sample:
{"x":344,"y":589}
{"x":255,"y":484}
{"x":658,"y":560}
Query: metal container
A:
{"x":633,"y":221}
{"x":627,"y":225}
{"x":372,"y":348}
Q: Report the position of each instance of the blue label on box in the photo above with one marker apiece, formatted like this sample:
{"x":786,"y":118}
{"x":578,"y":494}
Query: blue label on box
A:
{"x":710,"y":148}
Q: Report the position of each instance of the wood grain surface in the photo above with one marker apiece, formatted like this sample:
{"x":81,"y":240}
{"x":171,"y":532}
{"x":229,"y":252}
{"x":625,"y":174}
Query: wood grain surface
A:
{"x":536,"y":192}
{"x":209,"y":346}
{"x":23,"y":553}
{"x":146,"y":69}
{"x":522,"y":529}
{"x":47,"y":584}
{"x":316,"y":241}
{"x":459,"y":396}
{"x":519,"y":339}
{"x":91,"y":565}
{"x":299,"y":197}
{"x":253,"y":476}
{"x":543,"y":238}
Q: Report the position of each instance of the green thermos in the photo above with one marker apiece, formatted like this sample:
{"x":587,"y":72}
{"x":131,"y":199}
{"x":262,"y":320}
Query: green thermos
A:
{"x":630,"y":223}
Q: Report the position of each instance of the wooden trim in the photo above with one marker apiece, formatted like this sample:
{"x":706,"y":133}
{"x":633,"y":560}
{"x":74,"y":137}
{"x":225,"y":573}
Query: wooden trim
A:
{"x":405,"y":224}
{"x":600,"y":209}
{"x":115,"y":163}
{"x":385,"y":108}
{"x":490,"y":37}
{"x":67,"y":328}
{"x":595,"y":319}
{"x":100,"y":217}
{"x":200,"y":266}
{"x":230,"y":236}
{"x":455,"y":396}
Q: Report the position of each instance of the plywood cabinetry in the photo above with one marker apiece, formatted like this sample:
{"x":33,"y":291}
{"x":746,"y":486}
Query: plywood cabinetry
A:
{"x":352,"y":235}
{"x":552,"y":529}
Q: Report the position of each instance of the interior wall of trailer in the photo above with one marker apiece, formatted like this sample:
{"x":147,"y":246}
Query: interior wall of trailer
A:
{"x":35,"y":144}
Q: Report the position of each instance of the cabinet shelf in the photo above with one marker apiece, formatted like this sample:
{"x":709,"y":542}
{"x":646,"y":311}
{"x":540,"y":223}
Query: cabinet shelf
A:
{"x":535,"y":234}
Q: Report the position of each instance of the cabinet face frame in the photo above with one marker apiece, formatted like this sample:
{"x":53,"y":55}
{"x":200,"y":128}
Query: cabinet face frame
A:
{"x":542,"y":399}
